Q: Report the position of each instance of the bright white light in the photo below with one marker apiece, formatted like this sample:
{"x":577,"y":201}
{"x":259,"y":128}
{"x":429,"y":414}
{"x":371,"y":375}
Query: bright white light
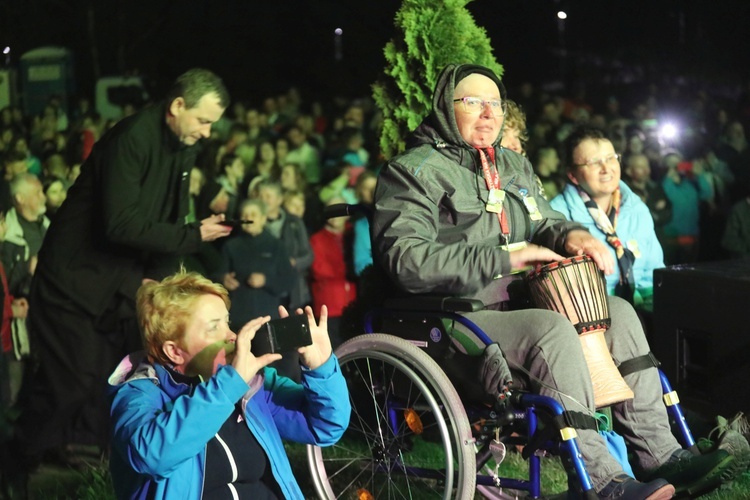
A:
{"x":6,"y":50}
{"x":338,"y":31}
{"x":562,"y":15}
{"x":668,"y":131}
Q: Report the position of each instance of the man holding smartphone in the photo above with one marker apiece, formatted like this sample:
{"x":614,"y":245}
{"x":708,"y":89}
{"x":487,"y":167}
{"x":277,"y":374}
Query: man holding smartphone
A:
{"x":123,"y":222}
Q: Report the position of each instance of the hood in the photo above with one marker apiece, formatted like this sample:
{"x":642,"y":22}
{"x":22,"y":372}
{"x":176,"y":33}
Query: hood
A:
{"x":132,"y":367}
{"x":440,"y":125}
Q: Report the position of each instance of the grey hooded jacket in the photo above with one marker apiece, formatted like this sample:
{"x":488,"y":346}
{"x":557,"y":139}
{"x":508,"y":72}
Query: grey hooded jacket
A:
{"x":431,"y":230}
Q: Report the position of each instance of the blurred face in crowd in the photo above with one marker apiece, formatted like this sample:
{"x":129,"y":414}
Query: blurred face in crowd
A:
{"x":254,"y":213}
{"x":267,"y":152}
{"x":208,"y":340}
{"x":296,"y":137}
{"x":480,"y":128}
{"x":295,"y":205}
{"x":635,"y":145}
{"x":289,"y":177}
{"x":251,"y":118}
{"x":512,"y":140}
{"x":56,"y":194}
{"x":282,"y":148}
{"x":366,"y":190}
{"x":236,"y":169}
{"x":15,"y":168}
{"x":30,"y":200}
{"x":193,"y":124}
{"x":271,"y":197}
{"x":601,"y":177}
{"x":639,"y":169}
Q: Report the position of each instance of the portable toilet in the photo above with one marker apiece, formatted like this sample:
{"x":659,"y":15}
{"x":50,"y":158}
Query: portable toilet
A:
{"x":46,"y":72}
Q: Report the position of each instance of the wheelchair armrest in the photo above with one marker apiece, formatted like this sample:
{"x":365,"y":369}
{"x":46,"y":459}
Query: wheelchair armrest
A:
{"x":433,"y":303}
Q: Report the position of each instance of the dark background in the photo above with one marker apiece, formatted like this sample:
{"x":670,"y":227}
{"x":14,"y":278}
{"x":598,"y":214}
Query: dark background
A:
{"x":262,"y":47}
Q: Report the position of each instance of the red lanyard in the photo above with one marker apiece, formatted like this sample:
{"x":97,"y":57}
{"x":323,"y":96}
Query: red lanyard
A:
{"x":492,"y":178}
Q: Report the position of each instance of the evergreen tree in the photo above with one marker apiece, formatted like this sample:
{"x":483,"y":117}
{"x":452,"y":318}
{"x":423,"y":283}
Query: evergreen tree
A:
{"x":430,"y":35}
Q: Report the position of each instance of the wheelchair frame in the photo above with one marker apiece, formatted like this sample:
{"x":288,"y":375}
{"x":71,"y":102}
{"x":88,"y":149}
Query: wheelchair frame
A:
{"x":366,"y":356}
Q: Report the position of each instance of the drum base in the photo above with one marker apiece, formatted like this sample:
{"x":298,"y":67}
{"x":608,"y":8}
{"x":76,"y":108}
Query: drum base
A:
{"x":609,"y":386}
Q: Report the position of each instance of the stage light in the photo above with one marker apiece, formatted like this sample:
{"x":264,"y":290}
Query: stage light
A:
{"x":6,"y":50}
{"x":338,"y":31}
{"x":562,"y":15}
{"x":668,"y":131}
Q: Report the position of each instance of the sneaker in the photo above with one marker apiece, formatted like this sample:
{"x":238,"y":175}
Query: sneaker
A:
{"x":730,"y":435}
{"x":624,"y":487}
{"x":695,"y":475}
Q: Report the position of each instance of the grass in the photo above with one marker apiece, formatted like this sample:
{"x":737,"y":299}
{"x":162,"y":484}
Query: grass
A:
{"x":95,"y":483}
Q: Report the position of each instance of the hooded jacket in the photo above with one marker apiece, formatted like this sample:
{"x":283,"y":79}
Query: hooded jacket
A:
{"x":161,"y":426}
{"x":635,"y":227}
{"x":431,"y":229}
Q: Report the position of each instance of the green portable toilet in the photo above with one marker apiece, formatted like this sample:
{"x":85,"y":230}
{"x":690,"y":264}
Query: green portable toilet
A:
{"x":46,"y":72}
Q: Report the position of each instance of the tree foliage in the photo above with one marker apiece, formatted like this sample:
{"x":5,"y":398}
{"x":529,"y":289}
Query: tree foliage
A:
{"x":429,"y":35}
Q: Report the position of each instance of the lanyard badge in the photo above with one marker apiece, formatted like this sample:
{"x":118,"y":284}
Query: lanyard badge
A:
{"x":495,"y":201}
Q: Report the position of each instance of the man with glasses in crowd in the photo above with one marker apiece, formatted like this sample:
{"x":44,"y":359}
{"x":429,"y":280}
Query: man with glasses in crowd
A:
{"x":456,"y":212}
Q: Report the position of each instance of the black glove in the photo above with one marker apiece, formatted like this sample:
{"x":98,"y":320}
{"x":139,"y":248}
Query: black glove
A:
{"x":494,"y":372}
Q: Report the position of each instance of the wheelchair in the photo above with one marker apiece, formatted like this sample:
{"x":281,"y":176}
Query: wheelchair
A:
{"x":419,"y":429}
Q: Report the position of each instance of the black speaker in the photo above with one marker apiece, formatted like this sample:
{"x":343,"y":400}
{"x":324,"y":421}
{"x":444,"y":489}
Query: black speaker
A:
{"x":701,"y":334}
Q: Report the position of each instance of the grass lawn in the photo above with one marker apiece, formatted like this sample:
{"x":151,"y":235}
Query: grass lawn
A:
{"x":94,"y":484}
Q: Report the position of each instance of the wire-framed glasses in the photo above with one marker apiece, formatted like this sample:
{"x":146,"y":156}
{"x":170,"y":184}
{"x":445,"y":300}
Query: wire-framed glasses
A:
{"x":603,"y":161}
{"x":475,"y":105}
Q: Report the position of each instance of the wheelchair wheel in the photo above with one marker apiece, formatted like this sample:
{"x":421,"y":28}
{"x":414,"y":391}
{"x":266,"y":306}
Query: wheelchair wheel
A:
{"x":408,"y":436}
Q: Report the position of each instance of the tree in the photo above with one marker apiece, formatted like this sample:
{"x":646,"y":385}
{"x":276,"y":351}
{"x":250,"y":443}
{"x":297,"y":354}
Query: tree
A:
{"x":429,"y":35}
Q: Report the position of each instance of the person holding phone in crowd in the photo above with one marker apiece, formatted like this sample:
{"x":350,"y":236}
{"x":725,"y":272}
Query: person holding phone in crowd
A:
{"x":122,"y":222}
{"x":197,"y":415}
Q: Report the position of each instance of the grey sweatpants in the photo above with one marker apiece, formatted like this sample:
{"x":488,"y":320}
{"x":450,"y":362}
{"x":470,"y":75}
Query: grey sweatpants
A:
{"x":546,"y":345}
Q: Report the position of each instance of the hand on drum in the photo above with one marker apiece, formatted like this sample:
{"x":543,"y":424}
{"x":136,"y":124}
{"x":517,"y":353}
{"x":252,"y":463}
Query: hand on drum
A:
{"x":580,"y":242}
{"x":531,"y":255}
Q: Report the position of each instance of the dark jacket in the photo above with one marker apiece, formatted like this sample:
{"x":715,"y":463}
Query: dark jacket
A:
{"x":244,"y":254}
{"x":297,"y":244}
{"x":431,"y":230}
{"x":124,"y":216}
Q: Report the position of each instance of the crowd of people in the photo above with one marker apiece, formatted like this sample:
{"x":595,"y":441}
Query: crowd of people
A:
{"x":266,"y":168}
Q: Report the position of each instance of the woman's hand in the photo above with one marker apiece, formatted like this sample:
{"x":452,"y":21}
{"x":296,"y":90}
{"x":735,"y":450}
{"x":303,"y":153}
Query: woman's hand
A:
{"x":531,"y":255}
{"x":245,"y":362}
{"x":580,"y":242}
{"x":314,"y":355}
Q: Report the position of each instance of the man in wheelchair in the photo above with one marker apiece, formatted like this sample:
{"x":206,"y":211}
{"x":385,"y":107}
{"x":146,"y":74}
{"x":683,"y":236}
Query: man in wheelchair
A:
{"x":455,"y":212}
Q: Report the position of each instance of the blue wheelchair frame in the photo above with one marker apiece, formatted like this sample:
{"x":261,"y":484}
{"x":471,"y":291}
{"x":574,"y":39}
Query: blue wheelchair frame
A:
{"x":528,"y":404}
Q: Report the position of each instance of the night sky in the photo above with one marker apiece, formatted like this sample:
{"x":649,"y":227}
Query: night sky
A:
{"x":262,"y":47}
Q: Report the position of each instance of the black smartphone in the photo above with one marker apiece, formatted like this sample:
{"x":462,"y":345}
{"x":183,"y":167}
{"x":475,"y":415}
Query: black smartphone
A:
{"x":279,"y":335}
{"x":235,"y":222}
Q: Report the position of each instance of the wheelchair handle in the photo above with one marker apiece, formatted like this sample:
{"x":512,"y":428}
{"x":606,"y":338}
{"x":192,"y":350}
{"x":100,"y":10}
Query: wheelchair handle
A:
{"x":345,"y":210}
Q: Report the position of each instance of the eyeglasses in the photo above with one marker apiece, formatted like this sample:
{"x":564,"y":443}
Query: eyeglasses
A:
{"x":475,"y":105}
{"x":605,"y":161}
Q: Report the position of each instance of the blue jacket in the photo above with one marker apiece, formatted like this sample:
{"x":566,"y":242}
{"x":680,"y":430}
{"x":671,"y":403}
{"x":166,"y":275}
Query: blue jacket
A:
{"x":635,"y":227}
{"x":161,"y":427}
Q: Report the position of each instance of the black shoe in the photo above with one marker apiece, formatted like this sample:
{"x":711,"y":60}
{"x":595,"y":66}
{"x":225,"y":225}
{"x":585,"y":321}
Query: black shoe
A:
{"x":695,"y":475}
{"x":624,"y":487}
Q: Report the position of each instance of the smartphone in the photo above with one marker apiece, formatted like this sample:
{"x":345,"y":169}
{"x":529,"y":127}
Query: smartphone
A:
{"x":279,"y":335}
{"x":235,"y":222}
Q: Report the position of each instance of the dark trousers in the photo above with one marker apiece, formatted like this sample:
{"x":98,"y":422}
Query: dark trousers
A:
{"x":64,"y":400}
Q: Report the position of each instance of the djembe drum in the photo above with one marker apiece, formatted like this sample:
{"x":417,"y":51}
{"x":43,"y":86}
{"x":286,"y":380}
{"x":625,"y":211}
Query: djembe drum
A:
{"x":576,"y":289}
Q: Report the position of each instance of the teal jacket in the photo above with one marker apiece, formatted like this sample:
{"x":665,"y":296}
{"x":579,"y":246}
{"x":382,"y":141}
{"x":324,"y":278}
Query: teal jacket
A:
{"x":635,"y":227}
{"x":161,"y":427}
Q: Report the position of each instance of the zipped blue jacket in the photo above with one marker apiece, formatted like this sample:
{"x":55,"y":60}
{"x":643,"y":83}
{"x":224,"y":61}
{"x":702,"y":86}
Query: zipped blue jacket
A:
{"x":161,"y":426}
{"x":635,"y":227}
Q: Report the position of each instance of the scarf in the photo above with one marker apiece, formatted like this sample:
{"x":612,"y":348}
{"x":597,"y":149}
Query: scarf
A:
{"x":607,"y":223}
